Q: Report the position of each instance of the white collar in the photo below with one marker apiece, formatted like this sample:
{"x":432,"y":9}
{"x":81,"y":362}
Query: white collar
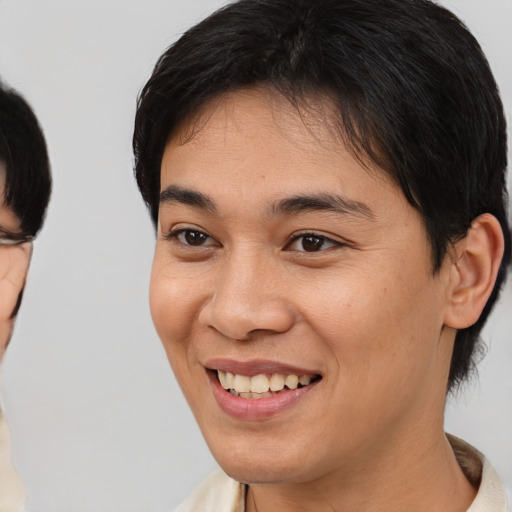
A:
{"x":12,"y":494}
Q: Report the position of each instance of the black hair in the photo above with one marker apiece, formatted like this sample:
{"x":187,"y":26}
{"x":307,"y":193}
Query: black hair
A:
{"x":24,"y":154}
{"x":411,"y":89}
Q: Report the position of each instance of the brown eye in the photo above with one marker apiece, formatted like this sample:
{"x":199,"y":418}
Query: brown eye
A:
{"x":195,"y":237}
{"x":192,"y":237}
{"x":312,"y":243}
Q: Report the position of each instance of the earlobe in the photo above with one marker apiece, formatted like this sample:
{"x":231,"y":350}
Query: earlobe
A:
{"x":474,"y":268}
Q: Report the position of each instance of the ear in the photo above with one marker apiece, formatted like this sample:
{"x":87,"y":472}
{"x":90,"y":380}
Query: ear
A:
{"x":14,"y":262}
{"x":473,"y":272}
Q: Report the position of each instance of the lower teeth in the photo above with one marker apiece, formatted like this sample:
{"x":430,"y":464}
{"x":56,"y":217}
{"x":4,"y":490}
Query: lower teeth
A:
{"x":268,"y":394}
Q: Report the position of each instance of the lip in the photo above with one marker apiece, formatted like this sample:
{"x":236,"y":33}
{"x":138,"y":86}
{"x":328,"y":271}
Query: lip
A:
{"x":259,"y":408}
{"x":256,"y":367}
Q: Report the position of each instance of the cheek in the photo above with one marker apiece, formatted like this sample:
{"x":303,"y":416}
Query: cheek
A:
{"x":171,"y":300}
{"x":373,"y":322}
{"x":171,"y":314}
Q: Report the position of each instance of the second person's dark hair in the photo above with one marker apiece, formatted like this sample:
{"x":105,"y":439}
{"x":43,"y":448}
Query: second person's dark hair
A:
{"x":24,"y":154}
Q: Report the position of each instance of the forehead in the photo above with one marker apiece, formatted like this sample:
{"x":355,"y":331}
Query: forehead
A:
{"x":260,"y":134}
{"x":253,"y":153}
{"x":310,"y":119}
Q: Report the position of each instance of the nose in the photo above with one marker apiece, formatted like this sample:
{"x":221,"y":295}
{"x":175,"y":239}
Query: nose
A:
{"x":248,"y":298}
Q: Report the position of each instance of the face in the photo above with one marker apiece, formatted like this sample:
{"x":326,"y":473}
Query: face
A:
{"x":14,"y":261}
{"x":293,"y":291}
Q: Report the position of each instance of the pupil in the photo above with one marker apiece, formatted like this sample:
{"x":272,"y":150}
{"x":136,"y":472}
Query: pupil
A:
{"x":312,"y":243}
{"x":195,"y":237}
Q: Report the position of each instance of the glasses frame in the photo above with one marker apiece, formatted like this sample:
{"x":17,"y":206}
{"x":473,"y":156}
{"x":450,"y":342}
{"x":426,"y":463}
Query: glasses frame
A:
{"x":11,"y":239}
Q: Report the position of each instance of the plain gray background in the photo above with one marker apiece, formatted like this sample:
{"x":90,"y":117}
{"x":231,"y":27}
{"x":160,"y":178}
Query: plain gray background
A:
{"x":98,"y":421}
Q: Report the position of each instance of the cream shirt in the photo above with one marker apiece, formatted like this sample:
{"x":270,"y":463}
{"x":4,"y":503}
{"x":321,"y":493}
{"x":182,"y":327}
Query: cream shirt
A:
{"x":219,"y":493}
{"x":12,"y":494}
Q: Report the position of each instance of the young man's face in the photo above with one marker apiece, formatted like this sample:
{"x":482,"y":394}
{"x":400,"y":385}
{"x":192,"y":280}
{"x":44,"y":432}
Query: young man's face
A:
{"x":279,"y":256}
{"x":14,"y":261}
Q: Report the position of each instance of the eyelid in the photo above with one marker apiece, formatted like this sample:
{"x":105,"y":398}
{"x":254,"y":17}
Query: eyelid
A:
{"x":174,"y":233}
{"x":180,"y":227}
{"x":327,"y":237}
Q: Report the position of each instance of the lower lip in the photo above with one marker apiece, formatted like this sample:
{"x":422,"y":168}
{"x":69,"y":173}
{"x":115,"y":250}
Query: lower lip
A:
{"x":256,"y":408}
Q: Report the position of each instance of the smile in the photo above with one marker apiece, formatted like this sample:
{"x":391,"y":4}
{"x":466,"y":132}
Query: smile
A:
{"x":262,"y":385}
{"x":259,"y":389}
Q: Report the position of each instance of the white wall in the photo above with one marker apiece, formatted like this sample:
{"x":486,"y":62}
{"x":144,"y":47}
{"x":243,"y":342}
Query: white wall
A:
{"x":97,"y":418}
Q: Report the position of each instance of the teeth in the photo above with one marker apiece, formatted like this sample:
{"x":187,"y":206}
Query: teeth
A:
{"x":242,"y":384}
{"x":292,"y":381}
{"x":260,"y":386}
{"x":255,"y":395}
{"x":276,"y":382}
{"x":304,"y":380}
{"x":223,"y":380}
{"x":230,"y":380}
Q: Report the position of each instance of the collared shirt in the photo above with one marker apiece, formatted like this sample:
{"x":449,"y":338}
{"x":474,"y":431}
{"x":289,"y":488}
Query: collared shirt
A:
{"x":219,"y":493}
{"x":12,"y":494}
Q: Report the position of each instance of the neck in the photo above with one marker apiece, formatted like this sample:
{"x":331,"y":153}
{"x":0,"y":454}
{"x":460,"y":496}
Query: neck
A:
{"x":419,"y":474}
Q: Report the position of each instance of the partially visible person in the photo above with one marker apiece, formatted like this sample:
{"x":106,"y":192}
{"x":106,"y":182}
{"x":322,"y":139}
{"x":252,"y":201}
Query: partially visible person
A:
{"x":327,"y":181}
{"x":25,"y":186}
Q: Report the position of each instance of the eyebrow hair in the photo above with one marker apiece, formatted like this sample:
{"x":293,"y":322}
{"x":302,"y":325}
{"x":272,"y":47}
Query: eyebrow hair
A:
{"x":321,"y":202}
{"x":177,"y":194}
{"x":296,"y":204}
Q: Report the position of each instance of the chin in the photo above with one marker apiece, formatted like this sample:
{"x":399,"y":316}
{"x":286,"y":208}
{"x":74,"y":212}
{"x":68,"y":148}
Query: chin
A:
{"x":262,"y":465}
{"x":259,"y":473}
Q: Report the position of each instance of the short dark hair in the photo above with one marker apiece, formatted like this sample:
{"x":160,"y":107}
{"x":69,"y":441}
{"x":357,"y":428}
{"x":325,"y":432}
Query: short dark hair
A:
{"x":411,"y":88}
{"x":24,"y":154}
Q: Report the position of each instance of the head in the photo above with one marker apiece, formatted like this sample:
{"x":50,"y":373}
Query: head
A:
{"x":401,"y":91}
{"x":25,"y":185}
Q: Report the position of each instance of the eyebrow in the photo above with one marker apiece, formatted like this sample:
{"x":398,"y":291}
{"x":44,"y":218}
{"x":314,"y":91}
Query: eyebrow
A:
{"x":321,"y":202}
{"x":176,"y":194}
{"x":288,"y":206}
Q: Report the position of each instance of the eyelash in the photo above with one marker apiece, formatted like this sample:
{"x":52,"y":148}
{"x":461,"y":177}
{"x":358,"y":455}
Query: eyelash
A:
{"x":312,"y":235}
{"x":176,"y":234}
{"x":321,"y":240}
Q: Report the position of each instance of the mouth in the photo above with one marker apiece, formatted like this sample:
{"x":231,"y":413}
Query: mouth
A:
{"x":260,"y":389}
{"x":263,"y":385}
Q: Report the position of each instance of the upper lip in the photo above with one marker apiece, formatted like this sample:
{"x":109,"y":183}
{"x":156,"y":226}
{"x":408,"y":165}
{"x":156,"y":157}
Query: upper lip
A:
{"x":256,"y":367}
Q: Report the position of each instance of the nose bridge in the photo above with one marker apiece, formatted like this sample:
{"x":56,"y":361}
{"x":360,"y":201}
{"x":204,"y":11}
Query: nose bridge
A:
{"x":247,"y":297}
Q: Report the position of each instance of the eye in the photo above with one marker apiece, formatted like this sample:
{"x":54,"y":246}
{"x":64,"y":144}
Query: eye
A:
{"x":311,"y":242}
{"x":192,"y":237}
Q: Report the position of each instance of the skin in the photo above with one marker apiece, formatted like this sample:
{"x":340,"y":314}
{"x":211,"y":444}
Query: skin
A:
{"x":365,"y":311}
{"x":14,"y":262}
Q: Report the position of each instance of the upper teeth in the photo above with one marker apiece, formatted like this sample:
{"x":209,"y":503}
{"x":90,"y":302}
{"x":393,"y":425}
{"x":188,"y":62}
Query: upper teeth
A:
{"x":261,"y":383}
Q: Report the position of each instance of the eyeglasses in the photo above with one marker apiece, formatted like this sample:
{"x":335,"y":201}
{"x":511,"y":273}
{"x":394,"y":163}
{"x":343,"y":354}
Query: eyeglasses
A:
{"x":10,"y":239}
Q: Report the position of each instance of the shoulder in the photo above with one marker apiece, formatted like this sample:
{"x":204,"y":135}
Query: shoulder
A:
{"x":216,"y":493}
{"x":12,"y":494}
{"x":491,"y":495}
